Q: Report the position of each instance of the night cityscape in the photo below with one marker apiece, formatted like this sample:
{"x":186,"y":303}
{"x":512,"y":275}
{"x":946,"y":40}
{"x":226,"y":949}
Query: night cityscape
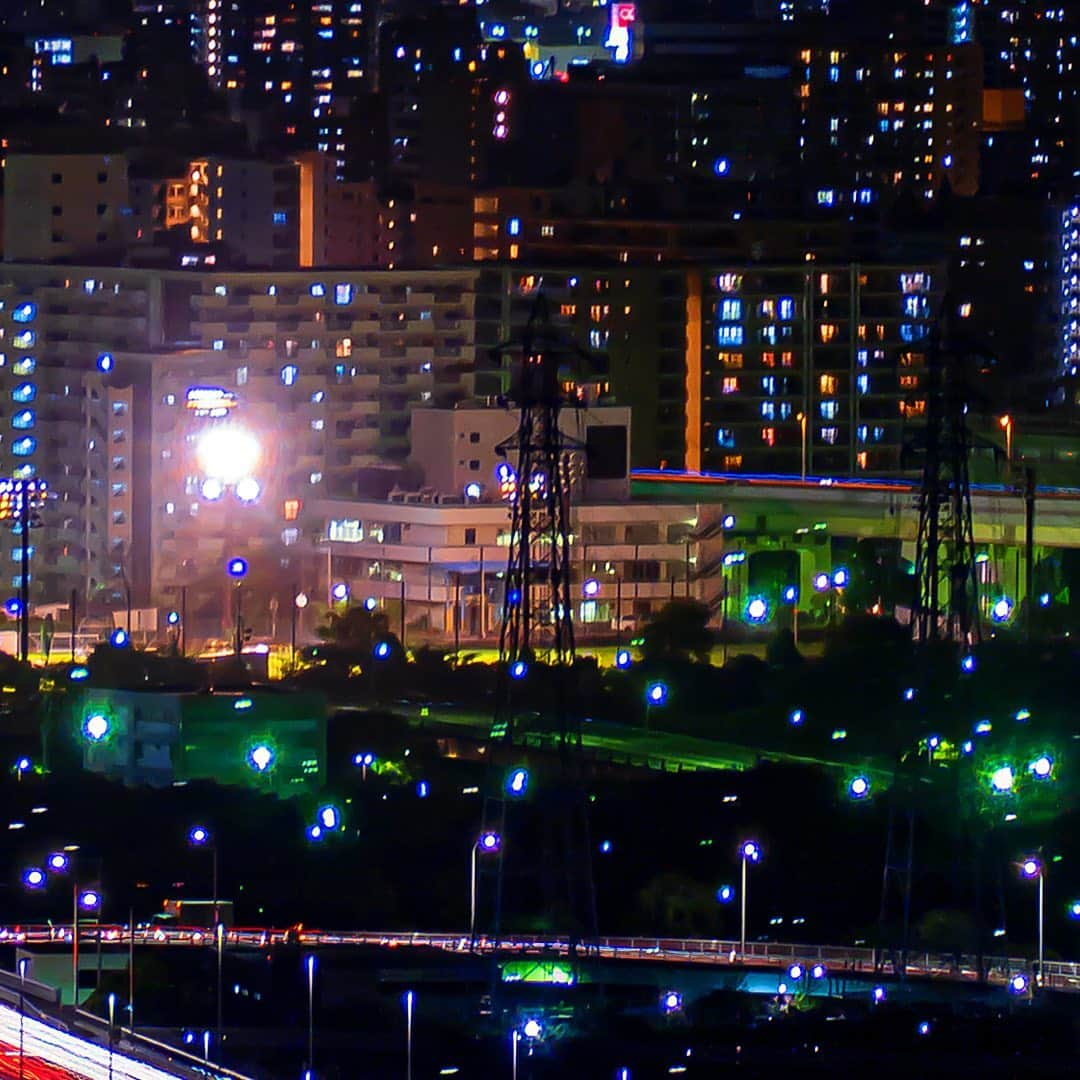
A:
{"x":716,"y":709}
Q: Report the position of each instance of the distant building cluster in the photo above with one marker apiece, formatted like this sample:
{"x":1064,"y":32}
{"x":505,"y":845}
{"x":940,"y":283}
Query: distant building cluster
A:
{"x":256,"y":251}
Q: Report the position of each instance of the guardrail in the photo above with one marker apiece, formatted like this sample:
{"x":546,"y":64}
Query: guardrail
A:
{"x":958,"y":967}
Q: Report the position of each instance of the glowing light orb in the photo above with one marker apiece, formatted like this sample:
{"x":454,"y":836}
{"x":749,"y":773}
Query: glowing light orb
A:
{"x":795,"y":972}
{"x":1001,"y":610}
{"x":878,"y":994}
{"x":58,"y":862}
{"x":34,"y":878}
{"x":533,"y":1029}
{"x":725,"y":894}
{"x":261,"y":757}
{"x":370,"y":604}
{"x":623,"y":659}
{"x":672,"y":1001}
{"x":490,"y":841}
{"x":967,"y":664}
{"x":340,"y":591}
{"x":329,"y":818}
{"x":859,"y":788}
{"x":517,"y":783}
{"x":90,"y":899}
{"x":199,"y":835}
{"x":796,"y":717}
{"x":518,"y":669}
{"x":591,"y":588}
{"x":212,"y":489}
{"x":924,"y":1027}
{"x":840,"y":577}
{"x":1002,"y":779}
{"x":1074,"y":909}
{"x":96,"y":726}
{"x":728,"y":521}
{"x":227,"y":453}
{"x":1031,"y":868}
{"x":118,"y":639}
{"x":757,"y":610}
{"x":1042,"y":767}
{"x":982,"y":727}
{"x":821,"y":582}
{"x":790,"y":594}
{"x":248,"y":490}
{"x":750,"y":850}
{"x":656,"y":693}
{"x":817,"y":971}
{"x":1018,"y":984}
{"x":382,"y":650}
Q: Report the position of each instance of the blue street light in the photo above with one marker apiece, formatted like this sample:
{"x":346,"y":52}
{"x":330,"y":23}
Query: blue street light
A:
{"x":90,"y":899}
{"x":878,"y":994}
{"x":58,"y":862}
{"x":1002,"y":779}
{"x":623,"y":659}
{"x":728,"y":521}
{"x":329,"y":817}
{"x":1044,"y":599}
{"x":96,"y":727}
{"x":821,"y":582}
{"x":671,"y":1000}
{"x":490,"y":842}
{"x":590,"y":589}
{"x":795,"y":972}
{"x":656,"y":693}
{"x":817,"y":971}
{"x":519,"y":669}
{"x":172,"y":618}
{"x":796,"y":717}
{"x":790,"y":595}
{"x":725,"y":894}
{"x":859,"y":788}
{"x":236,"y":567}
{"x":261,"y":757}
{"x":34,"y":878}
{"x":13,"y":608}
{"x":382,"y":650}
{"x":370,"y":604}
{"x":909,"y":693}
{"x":967,"y":664}
{"x":1001,"y":610}
{"x":1042,"y":767}
{"x":517,"y":783}
{"x":23,"y":765}
{"x":1074,"y":909}
{"x":314,"y":833}
{"x":750,"y":851}
{"x":840,"y":577}
{"x":924,"y":1027}
{"x":605,"y":847}
{"x":757,"y":609}
{"x":1018,"y":984}
{"x":118,"y":639}
{"x":78,"y":674}
{"x":199,"y":836}
{"x":532,"y":1029}
{"x":365,"y":759}
{"x":340,"y":592}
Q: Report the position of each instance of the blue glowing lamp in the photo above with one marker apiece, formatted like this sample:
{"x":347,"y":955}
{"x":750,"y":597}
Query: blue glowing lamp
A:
{"x":817,"y":971}
{"x":725,"y":894}
{"x":795,"y":972}
{"x":840,"y":577}
{"x":340,"y":592}
{"x":934,"y":741}
{"x":590,"y":589}
{"x":656,"y":693}
{"x":58,"y":862}
{"x":859,"y":788}
{"x":79,"y":674}
{"x":517,"y":783}
{"x":728,"y":521}
{"x":878,"y":994}
{"x":199,"y":836}
{"x":967,"y":664}
{"x":924,"y":1027}
{"x":422,"y":789}
{"x":796,"y":717}
{"x":1031,"y":867}
{"x":490,"y":842}
{"x":623,"y":659}
{"x":909,"y":693}
{"x":605,"y":847}
{"x":671,"y":1000}
{"x":821,"y":582}
{"x":982,"y":727}
{"x":23,"y":765}
{"x":1044,"y":599}
{"x":119,"y":639}
{"x":1001,"y":610}
{"x":1002,"y":779}
{"x":96,"y":727}
{"x":757,"y":610}
{"x":750,"y":850}
{"x":261,"y":758}
{"x":532,"y":1029}
{"x":513,"y":597}
{"x":12,"y":608}
{"x":314,"y":833}
{"x":34,"y":878}
{"x":236,"y":568}
{"x":328,"y":817}
{"x":1018,"y":984}
{"x":172,"y":618}
{"x":790,"y":595}
{"x":370,"y":604}
{"x":1041,"y":767}
{"x":967,"y":747}
{"x":1074,"y":909}
{"x":519,"y":669}
{"x":382,"y":650}
{"x":366,"y":759}
{"x":90,"y":900}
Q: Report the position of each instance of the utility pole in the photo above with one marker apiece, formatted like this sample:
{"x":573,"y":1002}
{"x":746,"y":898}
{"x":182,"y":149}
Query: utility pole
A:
{"x":1029,"y":545}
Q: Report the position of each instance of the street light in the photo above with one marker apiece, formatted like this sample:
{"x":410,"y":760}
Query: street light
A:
{"x":1002,"y":780}
{"x":859,"y":787}
{"x":487,"y":843}
{"x":410,"y":1000}
{"x":517,"y":783}
{"x":1042,"y":767}
{"x":749,"y":852}
{"x":112,"y":1021}
{"x":34,"y":878}
{"x":656,"y":694}
{"x":1006,"y":423}
{"x":261,"y":758}
{"x":623,"y":659}
{"x":1032,"y":867}
{"x":725,"y":894}
{"x":671,"y":1000}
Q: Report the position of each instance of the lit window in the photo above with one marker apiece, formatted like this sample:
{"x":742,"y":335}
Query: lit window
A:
{"x":731,"y":309}
{"x":729,"y":385}
{"x":288,"y":374}
{"x":343,"y":293}
{"x":24,"y":392}
{"x":23,"y":420}
{"x":318,"y":289}
{"x":729,"y":335}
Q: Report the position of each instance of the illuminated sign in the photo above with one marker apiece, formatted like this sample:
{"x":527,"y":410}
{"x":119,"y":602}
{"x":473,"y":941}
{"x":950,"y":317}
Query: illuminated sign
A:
{"x":210,"y":401}
{"x":620,"y":32}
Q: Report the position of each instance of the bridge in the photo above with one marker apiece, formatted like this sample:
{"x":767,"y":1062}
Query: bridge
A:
{"x":1060,"y":975}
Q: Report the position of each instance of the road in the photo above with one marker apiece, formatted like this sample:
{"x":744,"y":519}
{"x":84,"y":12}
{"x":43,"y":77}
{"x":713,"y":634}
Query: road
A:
{"x":1061,"y":975}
